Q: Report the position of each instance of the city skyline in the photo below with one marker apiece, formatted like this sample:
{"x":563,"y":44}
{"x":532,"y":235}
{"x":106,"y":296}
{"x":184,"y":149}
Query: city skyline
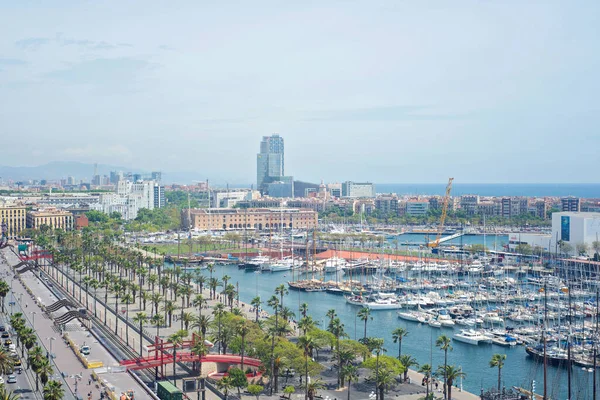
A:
{"x":409,"y":92}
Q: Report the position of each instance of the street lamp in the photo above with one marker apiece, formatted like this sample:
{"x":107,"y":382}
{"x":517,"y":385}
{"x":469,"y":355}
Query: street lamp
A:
{"x":51,"y":339}
{"x":33,"y":319}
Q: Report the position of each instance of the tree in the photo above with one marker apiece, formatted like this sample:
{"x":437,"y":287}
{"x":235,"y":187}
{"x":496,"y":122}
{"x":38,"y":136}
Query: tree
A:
{"x":140,"y":318}
{"x":176,"y":339}
{"x":596,"y":247}
{"x":238,"y":379}
{"x":54,"y":391}
{"x":224,"y":384}
{"x":444,"y":343}
{"x":289,"y":390}
{"x":350,"y":373}
{"x":451,"y":373}
{"x":407,"y":362}
{"x":4,"y":289}
{"x":565,"y":247}
{"x":524,"y":248}
{"x":397,"y":335}
{"x":426,"y":370}
{"x":256,"y":390}
{"x":306,"y":343}
{"x":6,"y":394}
{"x":364,"y":314}
{"x":582,"y":249}
{"x":312,"y":388}
{"x":497,"y":361}
{"x":256,"y":303}
{"x":6,"y":363}
{"x":199,"y":349}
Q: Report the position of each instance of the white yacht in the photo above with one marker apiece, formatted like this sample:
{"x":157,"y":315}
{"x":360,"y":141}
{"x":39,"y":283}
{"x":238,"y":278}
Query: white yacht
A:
{"x":334,"y":264}
{"x":471,"y":336}
{"x":382,"y":303}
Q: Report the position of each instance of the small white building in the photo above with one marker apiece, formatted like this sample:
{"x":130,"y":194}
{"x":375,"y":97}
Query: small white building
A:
{"x":544,"y":240}
{"x":576,"y":228}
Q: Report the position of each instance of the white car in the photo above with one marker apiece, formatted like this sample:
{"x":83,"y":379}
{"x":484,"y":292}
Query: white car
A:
{"x":1,"y":380}
{"x":85,"y":350}
{"x":12,"y":379}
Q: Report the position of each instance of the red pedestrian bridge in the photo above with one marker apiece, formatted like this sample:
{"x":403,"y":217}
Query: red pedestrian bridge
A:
{"x":161,"y":354}
{"x":186,"y":356}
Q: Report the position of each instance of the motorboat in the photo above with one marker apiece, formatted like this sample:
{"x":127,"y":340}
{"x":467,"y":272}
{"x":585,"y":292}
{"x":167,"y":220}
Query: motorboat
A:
{"x":434,"y":323}
{"x":471,"y":336}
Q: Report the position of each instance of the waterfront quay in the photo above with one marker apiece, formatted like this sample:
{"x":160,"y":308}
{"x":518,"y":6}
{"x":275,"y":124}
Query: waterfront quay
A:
{"x":106,"y":307}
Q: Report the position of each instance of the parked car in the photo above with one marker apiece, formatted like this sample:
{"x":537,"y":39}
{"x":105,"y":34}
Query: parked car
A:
{"x":12,"y":379}
{"x":85,"y":350}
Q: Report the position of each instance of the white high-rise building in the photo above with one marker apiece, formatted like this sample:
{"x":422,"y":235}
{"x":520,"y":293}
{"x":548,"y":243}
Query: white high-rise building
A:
{"x":131,"y":197}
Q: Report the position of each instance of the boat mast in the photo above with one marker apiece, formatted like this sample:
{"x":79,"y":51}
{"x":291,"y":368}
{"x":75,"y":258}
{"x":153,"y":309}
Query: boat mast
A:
{"x":569,"y":348}
{"x":595,"y":346}
{"x":544,"y":340}
{"x":189,"y":226}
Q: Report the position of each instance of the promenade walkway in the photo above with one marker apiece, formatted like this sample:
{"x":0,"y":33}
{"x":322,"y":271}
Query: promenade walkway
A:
{"x":77,"y":376}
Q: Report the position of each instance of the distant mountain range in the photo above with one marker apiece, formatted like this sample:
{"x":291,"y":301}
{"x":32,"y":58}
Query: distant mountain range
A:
{"x":81,"y":171}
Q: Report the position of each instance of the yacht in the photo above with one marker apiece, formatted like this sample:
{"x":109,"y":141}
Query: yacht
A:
{"x":334,"y":264}
{"x":434,"y":323}
{"x":280,"y":266}
{"x":382,"y":303}
{"x":257,"y":263}
{"x":471,"y":336}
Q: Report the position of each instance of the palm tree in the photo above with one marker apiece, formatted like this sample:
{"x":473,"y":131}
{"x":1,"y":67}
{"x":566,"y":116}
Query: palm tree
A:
{"x":4,"y":289}
{"x":407,"y":362}
{"x":169,"y":308}
{"x":426,"y":370}
{"x":303,"y":309}
{"x":6,"y":363}
{"x":337,"y":329}
{"x":54,"y":391}
{"x":157,"y":320}
{"x":187,"y":318}
{"x":306,"y":344}
{"x":199,"y":349}
{"x":364,"y":314}
{"x":444,"y":343}
{"x":202,"y":323}
{"x":156,"y":299}
{"x":219,"y":311}
{"x":199,"y":301}
{"x":397,"y":335}
{"x":176,"y":339}
{"x":497,"y":361}
{"x":306,"y":324}
{"x":331,"y":314}
{"x":224,"y":384}
{"x":140,"y":318}
{"x":312,"y":387}
{"x":116,"y":289}
{"x":281,"y":290}
{"x":256,"y":303}
{"x":242,"y":329}
{"x":127,"y":299}
{"x":45,"y":371}
{"x":350,"y":373}
{"x":6,"y":394}
{"x":451,"y":373}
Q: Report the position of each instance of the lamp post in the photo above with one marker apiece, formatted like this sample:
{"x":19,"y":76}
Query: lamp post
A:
{"x":51,"y":339}
{"x":33,"y":319}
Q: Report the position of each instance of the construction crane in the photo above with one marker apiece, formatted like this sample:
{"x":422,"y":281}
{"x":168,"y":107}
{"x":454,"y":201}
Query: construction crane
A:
{"x":436,"y":242}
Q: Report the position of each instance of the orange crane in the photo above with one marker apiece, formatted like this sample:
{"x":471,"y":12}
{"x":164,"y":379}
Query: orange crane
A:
{"x":436,"y":242}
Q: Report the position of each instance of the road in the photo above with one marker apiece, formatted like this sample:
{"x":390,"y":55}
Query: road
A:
{"x":65,"y":361}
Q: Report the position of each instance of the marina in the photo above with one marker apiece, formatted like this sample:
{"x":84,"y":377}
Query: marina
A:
{"x":510,"y":323}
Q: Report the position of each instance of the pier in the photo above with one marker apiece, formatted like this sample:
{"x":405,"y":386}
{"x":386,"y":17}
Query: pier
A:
{"x":446,"y":238}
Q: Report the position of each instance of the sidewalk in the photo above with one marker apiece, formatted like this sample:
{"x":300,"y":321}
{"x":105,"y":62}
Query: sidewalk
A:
{"x":76,"y":375}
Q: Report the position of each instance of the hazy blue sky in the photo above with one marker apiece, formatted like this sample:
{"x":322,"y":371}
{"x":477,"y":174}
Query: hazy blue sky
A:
{"x":387,"y":91}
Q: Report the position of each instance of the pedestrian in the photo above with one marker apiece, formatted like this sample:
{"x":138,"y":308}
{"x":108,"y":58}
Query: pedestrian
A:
{"x":90,"y":381}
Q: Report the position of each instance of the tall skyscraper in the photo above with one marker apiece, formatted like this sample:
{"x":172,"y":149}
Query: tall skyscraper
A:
{"x":270,"y":161}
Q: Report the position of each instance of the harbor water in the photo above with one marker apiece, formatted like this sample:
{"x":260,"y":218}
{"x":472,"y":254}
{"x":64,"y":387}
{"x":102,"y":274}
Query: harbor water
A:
{"x":519,"y":369}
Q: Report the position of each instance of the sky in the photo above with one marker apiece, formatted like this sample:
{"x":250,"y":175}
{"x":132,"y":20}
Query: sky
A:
{"x":385,"y":91}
